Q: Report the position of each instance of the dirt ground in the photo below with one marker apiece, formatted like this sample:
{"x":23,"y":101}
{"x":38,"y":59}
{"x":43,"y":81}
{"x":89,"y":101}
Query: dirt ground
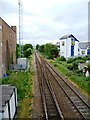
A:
{"x":37,"y":109}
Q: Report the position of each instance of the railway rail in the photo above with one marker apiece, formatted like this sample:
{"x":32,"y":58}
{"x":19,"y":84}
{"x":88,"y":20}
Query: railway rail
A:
{"x":59,"y":99}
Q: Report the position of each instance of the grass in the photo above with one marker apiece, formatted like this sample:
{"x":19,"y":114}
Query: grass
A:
{"x":24,"y":83}
{"x":80,"y":80}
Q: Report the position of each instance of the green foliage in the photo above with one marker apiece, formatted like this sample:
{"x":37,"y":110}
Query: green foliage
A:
{"x":41,"y":48}
{"x":69,"y":73}
{"x":70,"y":60}
{"x":62,"y":58}
{"x":26,"y":46}
{"x":37,"y":47}
{"x":70,"y":66}
{"x":55,"y":65}
{"x":49,"y":50}
{"x":54,"y":52}
{"x":20,"y":80}
{"x":89,"y":68}
{"x":28,"y":52}
{"x":17,"y":51}
{"x":84,"y":58}
{"x":75,"y":76}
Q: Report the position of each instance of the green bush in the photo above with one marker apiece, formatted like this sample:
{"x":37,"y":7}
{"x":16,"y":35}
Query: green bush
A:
{"x":62,"y":58}
{"x":70,"y":60}
{"x":68,"y":73}
{"x":89,"y":68}
{"x":87,"y":79}
{"x":70,"y":66}
{"x":78,"y":72}
{"x":55,"y":65}
{"x":84,"y":58}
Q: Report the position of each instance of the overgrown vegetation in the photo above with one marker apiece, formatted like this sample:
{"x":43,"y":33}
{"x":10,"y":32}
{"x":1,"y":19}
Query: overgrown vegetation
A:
{"x":49,"y":50}
{"x":24,"y":82}
{"x":69,"y":68}
{"x":24,"y":51}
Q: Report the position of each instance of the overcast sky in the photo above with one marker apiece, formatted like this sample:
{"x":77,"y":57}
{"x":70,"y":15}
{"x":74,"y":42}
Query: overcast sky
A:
{"x":46,"y":21}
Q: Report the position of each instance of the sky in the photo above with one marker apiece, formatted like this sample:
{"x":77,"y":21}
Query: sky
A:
{"x":46,"y":21}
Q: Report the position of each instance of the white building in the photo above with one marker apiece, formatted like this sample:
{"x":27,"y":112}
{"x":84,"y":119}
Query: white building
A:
{"x":68,"y":46}
{"x":84,"y":48}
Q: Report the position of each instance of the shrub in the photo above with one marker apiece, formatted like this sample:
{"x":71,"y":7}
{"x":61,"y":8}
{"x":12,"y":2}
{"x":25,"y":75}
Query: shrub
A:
{"x":55,"y":65}
{"x":89,"y":68}
{"x":87,"y":79}
{"x":84,"y":58}
{"x":69,"y":74}
{"x":70,"y":66}
{"x":62,"y":58}
{"x":75,"y":65}
{"x":70,"y":60}
{"x":79,"y":72}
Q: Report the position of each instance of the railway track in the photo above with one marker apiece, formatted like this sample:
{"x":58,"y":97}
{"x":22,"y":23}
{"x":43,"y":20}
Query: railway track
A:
{"x":51,"y":108}
{"x":67,"y":104}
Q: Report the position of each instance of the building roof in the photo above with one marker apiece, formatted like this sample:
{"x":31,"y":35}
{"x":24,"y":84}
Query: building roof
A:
{"x":8,"y":25}
{"x":5,"y":94}
{"x":68,"y":36}
{"x":84,"y":45}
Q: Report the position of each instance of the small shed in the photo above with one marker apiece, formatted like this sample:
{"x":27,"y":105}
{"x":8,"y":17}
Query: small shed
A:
{"x":23,"y":63}
{"x":8,"y":101}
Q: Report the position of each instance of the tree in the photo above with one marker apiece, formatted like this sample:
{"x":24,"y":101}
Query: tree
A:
{"x":37,"y":47}
{"x":54,"y":52}
{"x":17,"y":51}
{"x":49,"y":50}
{"x":26,"y":46}
{"x":41,"y":48}
{"x":28,"y":52}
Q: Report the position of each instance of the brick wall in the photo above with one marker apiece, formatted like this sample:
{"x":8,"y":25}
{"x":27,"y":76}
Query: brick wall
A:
{"x":8,"y":45}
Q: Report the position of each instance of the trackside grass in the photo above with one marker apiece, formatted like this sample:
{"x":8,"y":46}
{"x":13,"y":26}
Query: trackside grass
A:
{"x":77,"y":78}
{"x":24,"y":82}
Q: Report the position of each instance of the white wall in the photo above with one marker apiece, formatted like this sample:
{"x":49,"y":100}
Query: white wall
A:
{"x":68,"y":47}
{"x":63,"y":48}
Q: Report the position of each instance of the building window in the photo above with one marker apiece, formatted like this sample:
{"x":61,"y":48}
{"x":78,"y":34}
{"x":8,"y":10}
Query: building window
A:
{"x":72,"y":42}
{"x":83,"y":52}
{"x":0,"y":27}
{"x":63,"y":43}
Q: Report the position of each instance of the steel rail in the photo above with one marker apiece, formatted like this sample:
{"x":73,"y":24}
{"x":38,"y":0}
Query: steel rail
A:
{"x":52,"y":94}
{"x":66,"y":92}
{"x":54,"y":97}
{"x":41,"y":88}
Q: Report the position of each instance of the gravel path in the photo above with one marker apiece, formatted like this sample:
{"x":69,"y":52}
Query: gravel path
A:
{"x":37,"y":112}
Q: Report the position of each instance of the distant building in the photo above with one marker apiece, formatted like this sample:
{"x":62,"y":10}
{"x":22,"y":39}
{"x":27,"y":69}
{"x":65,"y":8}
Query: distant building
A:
{"x":68,"y":46}
{"x":7,"y":46}
{"x":58,"y":45}
{"x":84,"y":48}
